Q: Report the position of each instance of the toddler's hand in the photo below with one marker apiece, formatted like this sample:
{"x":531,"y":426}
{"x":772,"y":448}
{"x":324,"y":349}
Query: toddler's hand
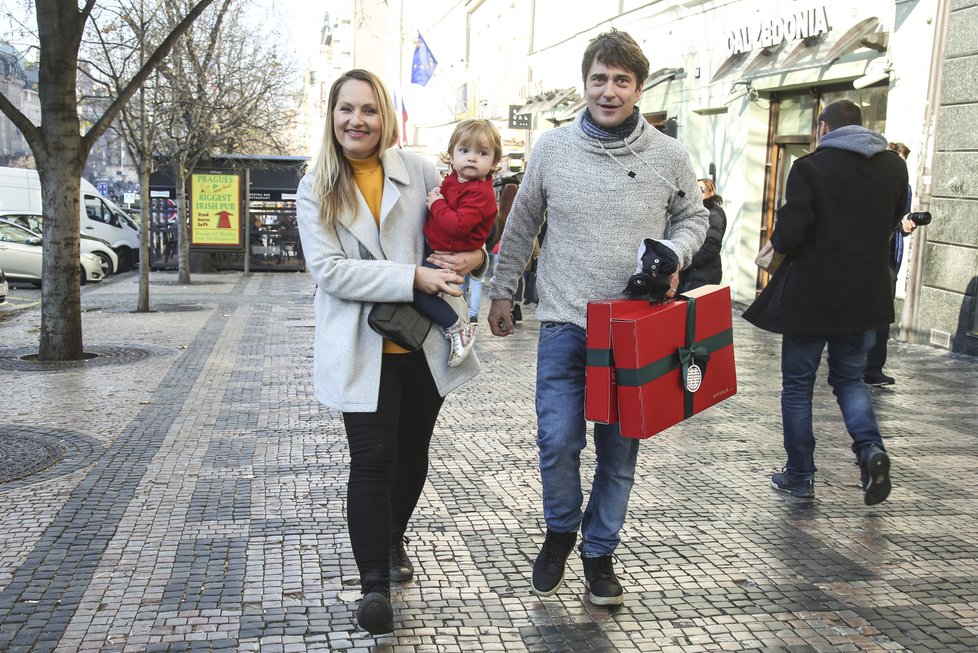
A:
{"x":434,"y":195}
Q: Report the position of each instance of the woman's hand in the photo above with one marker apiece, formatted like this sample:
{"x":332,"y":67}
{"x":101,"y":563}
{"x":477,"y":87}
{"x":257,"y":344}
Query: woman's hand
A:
{"x":431,"y":281}
{"x":461,"y":263}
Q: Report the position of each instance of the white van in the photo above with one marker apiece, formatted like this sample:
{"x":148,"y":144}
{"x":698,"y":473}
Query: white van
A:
{"x":20,"y":190}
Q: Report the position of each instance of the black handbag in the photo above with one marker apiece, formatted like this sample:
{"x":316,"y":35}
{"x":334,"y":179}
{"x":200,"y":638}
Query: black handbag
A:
{"x":401,"y":323}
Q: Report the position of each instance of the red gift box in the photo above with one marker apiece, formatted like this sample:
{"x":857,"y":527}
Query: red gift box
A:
{"x":600,"y":395}
{"x":673,"y":360}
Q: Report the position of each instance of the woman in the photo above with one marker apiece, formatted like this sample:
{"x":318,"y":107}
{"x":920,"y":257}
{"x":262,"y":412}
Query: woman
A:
{"x":706,"y":268}
{"x":361,"y":213}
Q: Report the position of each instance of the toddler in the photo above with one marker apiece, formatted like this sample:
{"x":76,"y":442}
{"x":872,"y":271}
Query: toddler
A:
{"x":461,"y":214}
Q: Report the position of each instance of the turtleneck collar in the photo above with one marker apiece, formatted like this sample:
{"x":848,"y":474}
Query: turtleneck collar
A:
{"x":365,"y":166}
{"x":617,"y":133}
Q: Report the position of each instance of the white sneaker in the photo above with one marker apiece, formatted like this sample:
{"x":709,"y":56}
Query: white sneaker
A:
{"x":461,"y":335}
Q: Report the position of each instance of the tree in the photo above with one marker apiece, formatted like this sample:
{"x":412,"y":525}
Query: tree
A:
{"x":60,"y":150}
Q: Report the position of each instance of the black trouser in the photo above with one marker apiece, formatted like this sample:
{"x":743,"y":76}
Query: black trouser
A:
{"x":876,"y":357}
{"x":389,"y":457}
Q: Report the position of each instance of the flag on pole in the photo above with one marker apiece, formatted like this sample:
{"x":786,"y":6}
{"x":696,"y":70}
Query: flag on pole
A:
{"x":401,"y":110}
{"x":424,"y":63}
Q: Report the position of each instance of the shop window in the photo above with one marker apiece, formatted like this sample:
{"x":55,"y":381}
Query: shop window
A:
{"x":871,"y":100}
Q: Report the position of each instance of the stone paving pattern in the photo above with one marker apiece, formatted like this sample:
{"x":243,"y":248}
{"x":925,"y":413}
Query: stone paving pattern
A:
{"x":188,"y":495}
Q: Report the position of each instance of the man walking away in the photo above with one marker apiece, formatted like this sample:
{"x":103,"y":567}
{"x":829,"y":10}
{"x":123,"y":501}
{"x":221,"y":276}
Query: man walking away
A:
{"x":842,"y":203}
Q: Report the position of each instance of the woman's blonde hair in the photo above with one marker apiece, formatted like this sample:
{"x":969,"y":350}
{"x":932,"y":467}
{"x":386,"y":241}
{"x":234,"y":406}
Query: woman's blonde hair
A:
{"x":333,"y":184}
{"x":476,"y":132}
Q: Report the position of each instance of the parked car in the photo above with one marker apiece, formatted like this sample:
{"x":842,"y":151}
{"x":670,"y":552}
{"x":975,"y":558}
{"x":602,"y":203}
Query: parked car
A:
{"x":4,"y":287}
{"x":21,"y":255}
{"x":89,"y":244}
{"x":20,"y":191}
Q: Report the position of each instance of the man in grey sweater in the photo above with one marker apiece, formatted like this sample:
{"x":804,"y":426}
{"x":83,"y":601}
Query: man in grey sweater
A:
{"x":605,"y":183}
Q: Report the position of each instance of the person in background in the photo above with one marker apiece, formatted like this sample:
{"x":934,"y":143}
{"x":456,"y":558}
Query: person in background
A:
{"x":842,"y":203}
{"x":462,"y":212}
{"x":603,"y":183}
{"x":361,"y":212}
{"x":876,"y":358}
{"x":706,"y":267}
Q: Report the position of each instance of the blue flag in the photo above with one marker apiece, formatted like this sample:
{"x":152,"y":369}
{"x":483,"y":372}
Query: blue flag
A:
{"x":424,"y":63}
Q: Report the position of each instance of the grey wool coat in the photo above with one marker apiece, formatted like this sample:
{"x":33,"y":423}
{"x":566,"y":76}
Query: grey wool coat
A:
{"x":354,"y":266}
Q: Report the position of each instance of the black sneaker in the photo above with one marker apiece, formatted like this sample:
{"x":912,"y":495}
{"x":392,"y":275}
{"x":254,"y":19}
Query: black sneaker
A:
{"x":796,"y":487}
{"x":875,"y":466}
{"x":548,"y":570}
{"x":401,"y":567}
{"x":878,"y":380}
{"x":375,"y":614}
{"x":517,"y":313}
{"x":602,"y":584}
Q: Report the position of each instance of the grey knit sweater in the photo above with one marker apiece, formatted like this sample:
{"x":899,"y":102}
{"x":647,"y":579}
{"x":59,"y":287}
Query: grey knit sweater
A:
{"x":597,"y":215}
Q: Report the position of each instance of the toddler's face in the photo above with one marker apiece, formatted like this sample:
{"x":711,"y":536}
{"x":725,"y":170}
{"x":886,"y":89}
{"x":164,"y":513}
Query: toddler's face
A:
{"x":471,"y":161}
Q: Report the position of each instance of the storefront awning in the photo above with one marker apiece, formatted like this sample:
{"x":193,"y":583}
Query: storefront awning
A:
{"x":660,"y":76}
{"x":549,"y":100}
{"x":812,"y":52}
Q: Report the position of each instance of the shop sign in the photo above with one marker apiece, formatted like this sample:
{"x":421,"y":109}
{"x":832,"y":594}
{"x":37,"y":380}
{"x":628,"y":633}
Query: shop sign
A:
{"x":774,"y":31}
{"x":215,"y":210}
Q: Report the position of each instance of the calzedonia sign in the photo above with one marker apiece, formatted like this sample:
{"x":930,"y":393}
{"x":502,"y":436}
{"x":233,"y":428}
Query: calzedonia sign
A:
{"x":774,"y":31}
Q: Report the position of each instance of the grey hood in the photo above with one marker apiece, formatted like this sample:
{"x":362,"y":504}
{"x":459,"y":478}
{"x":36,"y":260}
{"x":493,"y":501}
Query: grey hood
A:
{"x":854,"y":138}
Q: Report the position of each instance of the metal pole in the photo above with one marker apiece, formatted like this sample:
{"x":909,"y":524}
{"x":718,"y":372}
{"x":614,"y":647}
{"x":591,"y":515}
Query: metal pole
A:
{"x":247,"y":220}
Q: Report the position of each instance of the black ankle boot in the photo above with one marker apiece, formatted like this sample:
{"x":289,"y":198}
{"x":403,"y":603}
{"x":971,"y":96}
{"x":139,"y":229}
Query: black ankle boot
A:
{"x":376,"y":615}
{"x":401,"y":567}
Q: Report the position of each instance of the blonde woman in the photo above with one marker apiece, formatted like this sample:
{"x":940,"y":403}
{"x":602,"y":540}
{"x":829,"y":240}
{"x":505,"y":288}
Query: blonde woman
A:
{"x":361,"y":215}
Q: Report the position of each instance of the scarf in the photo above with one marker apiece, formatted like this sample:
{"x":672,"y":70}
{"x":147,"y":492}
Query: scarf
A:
{"x":616,"y":133}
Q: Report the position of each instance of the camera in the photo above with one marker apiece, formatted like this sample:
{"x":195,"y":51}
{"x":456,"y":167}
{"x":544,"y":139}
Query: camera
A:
{"x":920,"y":218}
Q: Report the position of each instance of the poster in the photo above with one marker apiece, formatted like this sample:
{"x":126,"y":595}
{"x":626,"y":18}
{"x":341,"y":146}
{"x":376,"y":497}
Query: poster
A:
{"x":215,"y":210}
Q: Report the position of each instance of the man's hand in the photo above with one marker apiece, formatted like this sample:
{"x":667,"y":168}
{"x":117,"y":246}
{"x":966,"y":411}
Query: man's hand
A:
{"x":501,"y":317}
{"x":673,"y":286}
{"x":907,"y":225}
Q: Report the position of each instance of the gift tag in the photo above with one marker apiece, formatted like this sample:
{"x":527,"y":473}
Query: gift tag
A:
{"x":694,"y":378}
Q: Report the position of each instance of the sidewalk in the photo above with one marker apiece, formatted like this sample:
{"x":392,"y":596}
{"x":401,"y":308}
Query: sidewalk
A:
{"x":184,"y":492}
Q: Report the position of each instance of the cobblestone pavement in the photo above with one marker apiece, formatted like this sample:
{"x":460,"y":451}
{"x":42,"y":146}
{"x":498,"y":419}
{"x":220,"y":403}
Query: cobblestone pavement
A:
{"x":183,"y":491}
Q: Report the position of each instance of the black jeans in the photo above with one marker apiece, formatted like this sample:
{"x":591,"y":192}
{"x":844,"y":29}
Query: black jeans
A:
{"x":389,"y":457}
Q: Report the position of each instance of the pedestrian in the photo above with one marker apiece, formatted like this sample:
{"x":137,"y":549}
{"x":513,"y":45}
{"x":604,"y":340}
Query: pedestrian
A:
{"x":706,"y":267}
{"x":842,"y":203}
{"x":361,"y":213}
{"x":604,"y":183}
{"x":876,"y":358}
{"x":462,"y":212}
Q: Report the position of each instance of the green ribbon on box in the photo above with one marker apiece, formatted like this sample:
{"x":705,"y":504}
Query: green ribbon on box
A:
{"x":682,"y":358}
{"x":598,"y":358}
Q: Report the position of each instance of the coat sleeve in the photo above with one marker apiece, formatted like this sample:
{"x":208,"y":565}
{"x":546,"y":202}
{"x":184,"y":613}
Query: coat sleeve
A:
{"x":714,"y":238}
{"x":688,"y":218}
{"x":797,"y":214}
{"x":343,"y":274}
{"x":521,"y":228}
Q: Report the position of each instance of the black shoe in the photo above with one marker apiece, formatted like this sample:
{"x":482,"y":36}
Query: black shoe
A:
{"x":785,"y":481}
{"x":602,"y":584}
{"x":878,"y":380}
{"x":517,"y":313}
{"x":548,"y":570}
{"x":401,"y":567}
{"x":875,"y":466}
{"x":474,"y":319}
{"x":375,"y":614}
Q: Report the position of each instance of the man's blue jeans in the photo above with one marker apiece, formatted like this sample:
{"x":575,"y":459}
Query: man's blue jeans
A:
{"x":800,"y":358}
{"x":562,"y":435}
